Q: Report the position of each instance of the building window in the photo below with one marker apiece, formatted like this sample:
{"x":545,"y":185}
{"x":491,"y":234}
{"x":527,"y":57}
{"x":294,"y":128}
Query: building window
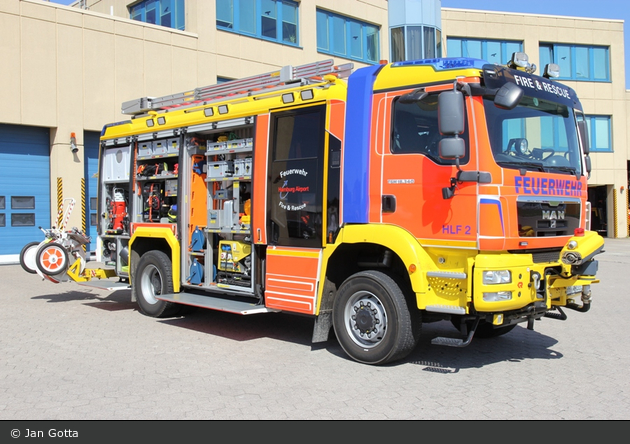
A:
{"x":494,"y":51}
{"x":22,"y":202}
{"x":599,"y":130}
{"x":169,"y":13}
{"x":23,"y":219}
{"x":342,"y":36}
{"x":275,"y":20}
{"x":421,"y":42}
{"x":582,"y":63}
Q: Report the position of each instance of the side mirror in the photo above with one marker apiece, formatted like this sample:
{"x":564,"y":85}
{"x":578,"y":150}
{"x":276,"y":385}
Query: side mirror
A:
{"x":452,"y":148}
{"x":451,"y":113}
{"x":587,"y":162}
{"x":508,"y":96}
{"x":583,"y":129}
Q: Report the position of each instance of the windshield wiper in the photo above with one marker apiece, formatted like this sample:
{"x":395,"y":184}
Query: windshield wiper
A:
{"x":529,"y":165}
{"x":565,"y":169}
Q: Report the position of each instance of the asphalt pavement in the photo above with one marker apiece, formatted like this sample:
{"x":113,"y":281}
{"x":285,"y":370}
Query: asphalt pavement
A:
{"x":70,"y":352}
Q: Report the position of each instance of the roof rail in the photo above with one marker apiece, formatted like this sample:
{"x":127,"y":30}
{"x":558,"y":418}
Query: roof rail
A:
{"x":285,"y":76}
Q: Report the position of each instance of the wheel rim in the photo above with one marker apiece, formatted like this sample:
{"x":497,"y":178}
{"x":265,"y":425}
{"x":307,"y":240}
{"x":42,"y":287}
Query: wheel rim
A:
{"x":365,"y":319}
{"x":151,"y":284}
{"x":53,"y":259}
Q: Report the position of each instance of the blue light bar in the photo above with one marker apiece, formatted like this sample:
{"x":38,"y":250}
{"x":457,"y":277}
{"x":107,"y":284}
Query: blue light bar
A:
{"x":109,"y":125}
{"x":445,"y":63}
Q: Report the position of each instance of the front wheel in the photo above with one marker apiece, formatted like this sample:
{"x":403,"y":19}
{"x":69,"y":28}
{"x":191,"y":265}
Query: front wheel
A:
{"x":153,"y":277}
{"x":372,"y":321}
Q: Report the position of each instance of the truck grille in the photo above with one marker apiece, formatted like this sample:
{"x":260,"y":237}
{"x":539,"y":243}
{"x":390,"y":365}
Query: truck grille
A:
{"x":546,"y":218}
{"x":541,"y":256}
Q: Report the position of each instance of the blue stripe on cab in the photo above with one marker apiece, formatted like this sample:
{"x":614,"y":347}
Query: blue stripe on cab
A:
{"x":357,"y":142}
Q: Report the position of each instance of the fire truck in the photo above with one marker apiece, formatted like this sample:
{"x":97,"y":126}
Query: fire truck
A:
{"x":372,"y":200}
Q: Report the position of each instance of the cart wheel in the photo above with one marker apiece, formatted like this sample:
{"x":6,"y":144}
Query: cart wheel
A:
{"x":52,"y":259}
{"x":28,"y":257}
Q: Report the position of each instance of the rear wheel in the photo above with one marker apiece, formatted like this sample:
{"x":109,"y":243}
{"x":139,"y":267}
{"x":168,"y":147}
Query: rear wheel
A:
{"x":372,"y":321}
{"x":153,"y":277}
{"x":52,"y":259}
{"x":28,"y":257}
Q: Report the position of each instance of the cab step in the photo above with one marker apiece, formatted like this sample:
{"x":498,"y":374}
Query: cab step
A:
{"x":450,"y":342}
{"x":456,"y":342}
{"x":559,"y":314}
{"x":216,"y":303}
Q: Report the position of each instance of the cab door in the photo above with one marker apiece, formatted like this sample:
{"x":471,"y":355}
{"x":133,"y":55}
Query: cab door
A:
{"x":413,"y":175}
{"x":295,"y":190}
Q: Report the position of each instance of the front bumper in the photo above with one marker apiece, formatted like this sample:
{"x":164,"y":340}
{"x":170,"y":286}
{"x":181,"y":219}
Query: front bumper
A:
{"x":538,"y":286}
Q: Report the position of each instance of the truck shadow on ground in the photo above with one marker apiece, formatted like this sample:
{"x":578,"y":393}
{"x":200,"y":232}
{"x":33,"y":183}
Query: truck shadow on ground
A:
{"x":278,"y":326}
{"x":517,"y":346}
{"x":110,"y":301}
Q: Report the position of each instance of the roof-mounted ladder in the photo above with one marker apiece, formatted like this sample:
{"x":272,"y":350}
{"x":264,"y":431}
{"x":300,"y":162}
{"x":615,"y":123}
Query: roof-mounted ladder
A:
{"x":284,"y":77}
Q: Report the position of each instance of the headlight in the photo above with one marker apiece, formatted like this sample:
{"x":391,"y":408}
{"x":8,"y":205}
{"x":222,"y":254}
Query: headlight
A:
{"x":497,"y":277}
{"x":497,"y":296}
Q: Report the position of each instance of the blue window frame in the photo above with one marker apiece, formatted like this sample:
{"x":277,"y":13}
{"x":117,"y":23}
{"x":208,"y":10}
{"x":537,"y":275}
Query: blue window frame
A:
{"x":415,"y":43}
{"x":553,"y":134}
{"x":346,"y":37}
{"x":599,"y":130}
{"x":274,"y":20}
{"x":577,"y":62}
{"x":169,"y":13}
{"x":494,"y":51}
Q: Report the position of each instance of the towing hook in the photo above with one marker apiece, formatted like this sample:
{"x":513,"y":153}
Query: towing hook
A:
{"x":535,"y":279}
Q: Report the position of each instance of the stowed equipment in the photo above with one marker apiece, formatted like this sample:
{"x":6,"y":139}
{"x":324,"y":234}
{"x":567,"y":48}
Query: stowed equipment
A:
{"x":51,"y":258}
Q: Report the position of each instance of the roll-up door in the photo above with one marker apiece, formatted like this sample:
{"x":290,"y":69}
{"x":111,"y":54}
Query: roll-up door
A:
{"x":24,"y":186}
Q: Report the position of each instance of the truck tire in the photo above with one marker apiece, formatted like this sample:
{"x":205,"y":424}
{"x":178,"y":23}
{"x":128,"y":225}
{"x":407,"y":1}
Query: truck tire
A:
{"x":153,"y":277}
{"x":52,"y":259}
{"x":28,"y":257}
{"x":372,"y":321}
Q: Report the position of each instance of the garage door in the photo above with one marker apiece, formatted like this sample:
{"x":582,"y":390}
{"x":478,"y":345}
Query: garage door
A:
{"x":24,"y":186}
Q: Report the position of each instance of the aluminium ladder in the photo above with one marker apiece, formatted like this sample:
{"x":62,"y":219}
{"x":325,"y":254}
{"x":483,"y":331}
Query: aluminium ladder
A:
{"x":282,"y":78}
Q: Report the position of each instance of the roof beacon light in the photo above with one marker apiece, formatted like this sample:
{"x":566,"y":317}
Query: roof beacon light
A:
{"x":551,"y":71}
{"x":520,"y":61}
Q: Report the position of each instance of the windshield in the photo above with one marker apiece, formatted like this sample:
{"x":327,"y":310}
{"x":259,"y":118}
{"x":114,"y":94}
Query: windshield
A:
{"x":537,"y":135}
